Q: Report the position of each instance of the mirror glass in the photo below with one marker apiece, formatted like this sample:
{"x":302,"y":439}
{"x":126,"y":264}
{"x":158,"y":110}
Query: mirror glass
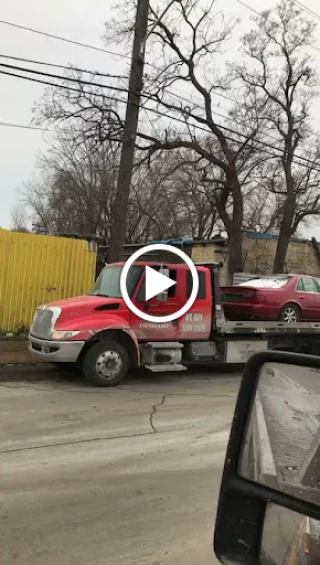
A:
{"x":282,"y":443}
{"x":289,"y":538}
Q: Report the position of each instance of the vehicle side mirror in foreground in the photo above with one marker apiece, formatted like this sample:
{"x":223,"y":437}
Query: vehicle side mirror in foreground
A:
{"x":269,"y":507}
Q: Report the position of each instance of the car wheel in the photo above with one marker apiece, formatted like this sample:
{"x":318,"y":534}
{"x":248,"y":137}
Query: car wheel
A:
{"x":106,"y":363}
{"x":290,"y":313}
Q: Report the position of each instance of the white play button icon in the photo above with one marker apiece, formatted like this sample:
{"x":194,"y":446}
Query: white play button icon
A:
{"x":156,"y":283}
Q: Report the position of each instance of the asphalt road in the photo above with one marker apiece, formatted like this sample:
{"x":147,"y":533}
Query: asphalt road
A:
{"x":125,"y":476}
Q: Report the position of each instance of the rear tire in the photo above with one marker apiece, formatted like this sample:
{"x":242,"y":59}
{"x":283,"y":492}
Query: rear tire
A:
{"x":290,"y":313}
{"x":106,"y":363}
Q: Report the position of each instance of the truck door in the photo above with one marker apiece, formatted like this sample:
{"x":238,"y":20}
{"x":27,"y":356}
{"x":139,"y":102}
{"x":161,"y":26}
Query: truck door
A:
{"x":151,"y":331}
{"x":196,"y":324}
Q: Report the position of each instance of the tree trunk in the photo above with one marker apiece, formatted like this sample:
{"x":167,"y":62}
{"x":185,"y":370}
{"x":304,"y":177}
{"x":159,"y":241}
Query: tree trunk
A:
{"x":234,"y":230}
{"x":285,"y":233}
{"x":234,"y":252}
{"x":233,"y":226}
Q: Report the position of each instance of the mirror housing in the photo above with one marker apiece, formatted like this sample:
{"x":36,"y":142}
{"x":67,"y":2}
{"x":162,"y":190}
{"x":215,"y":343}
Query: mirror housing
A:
{"x":163,"y":296}
{"x":243,"y":503}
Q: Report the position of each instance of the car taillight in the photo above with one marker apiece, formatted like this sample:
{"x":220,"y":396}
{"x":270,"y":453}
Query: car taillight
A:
{"x":259,"y":298}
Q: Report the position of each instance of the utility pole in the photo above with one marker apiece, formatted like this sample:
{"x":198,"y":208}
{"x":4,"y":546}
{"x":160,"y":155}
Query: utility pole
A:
{"x":119,"y":221}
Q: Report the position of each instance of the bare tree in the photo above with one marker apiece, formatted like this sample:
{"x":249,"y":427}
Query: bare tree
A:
{"x":279,"y":75}
{"x":76,"y":190}
{"x":187,"y":42}
{"x":19,"y":220}
{"x":75,"y":194}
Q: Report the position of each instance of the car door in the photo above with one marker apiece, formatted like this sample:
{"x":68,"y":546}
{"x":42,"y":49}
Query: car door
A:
{"x":309,"y":298}
{"x":152,"y":331}
{"x":317,"y":298}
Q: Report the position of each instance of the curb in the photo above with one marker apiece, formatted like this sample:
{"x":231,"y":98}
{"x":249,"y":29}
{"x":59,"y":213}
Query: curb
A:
{"x":24,"y":364}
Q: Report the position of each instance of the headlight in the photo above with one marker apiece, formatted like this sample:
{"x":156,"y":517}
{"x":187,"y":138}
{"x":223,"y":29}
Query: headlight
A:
{"x":63,"y":335}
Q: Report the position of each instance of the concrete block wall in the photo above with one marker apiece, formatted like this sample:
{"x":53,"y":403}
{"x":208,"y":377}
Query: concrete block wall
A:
{"x":204,"y":252}
{"x":258,"y":256}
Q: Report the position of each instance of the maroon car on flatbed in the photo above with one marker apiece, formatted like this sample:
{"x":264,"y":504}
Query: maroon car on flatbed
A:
{"x":288,"y":298}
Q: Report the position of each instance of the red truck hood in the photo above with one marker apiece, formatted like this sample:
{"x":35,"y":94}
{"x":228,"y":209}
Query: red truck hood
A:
{"x":88,"y":302}
{"x":90,"y":312}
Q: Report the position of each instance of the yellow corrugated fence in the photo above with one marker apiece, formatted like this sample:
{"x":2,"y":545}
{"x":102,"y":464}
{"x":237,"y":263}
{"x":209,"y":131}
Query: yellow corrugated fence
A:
{"x":35,"y":269}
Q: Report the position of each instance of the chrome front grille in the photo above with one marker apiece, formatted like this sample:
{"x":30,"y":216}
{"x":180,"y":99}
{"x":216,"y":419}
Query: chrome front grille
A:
{"x":42,"y":322}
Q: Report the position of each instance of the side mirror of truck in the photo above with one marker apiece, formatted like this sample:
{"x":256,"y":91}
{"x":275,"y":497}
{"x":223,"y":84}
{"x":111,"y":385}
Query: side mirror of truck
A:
{"x":269,"y":506}
{"x":163,"y":296}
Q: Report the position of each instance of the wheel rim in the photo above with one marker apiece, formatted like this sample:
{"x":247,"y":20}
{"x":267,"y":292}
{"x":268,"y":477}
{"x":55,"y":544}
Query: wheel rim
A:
{"x":109,"y":365}
{"x":290,"y":315}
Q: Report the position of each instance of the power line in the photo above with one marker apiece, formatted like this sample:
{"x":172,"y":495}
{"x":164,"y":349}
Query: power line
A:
{"x":274,"y":23}
{"x":21,"y":126}
{"x":65,"y":78}
{"x":91,"y":83}
{"x":68,"y":68}
{"x":86,"y":45}
{"x":306,"y":9}
{"x":65,"y":67}
{"x":65,"y":39}
{"x":162,"y":114}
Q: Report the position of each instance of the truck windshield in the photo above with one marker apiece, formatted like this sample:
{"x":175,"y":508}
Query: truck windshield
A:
{"x":108,"y":282}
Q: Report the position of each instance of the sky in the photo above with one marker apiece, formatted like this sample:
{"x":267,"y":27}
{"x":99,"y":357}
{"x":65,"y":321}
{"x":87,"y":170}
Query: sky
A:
{"x":78,"y":20}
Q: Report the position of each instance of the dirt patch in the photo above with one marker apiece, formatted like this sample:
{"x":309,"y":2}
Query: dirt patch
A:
{"x":29,"y":373}
{"x":15,"y":351}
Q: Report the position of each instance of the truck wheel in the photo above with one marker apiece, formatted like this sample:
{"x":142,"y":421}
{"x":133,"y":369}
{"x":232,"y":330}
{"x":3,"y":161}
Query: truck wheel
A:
{"x":106,"y":363}
{"x":290,"y":313}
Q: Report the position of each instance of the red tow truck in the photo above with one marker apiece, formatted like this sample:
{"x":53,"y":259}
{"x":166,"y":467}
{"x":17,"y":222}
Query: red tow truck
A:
{"x":101,"y":335}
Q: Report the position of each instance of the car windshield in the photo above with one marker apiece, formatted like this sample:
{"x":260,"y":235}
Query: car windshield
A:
{"x":267,"y":282}
{"x":108,"y":282}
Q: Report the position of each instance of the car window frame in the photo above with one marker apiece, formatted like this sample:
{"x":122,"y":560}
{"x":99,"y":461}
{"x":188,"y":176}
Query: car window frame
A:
{"x":302,"y":279}
{"x":317,"y":281}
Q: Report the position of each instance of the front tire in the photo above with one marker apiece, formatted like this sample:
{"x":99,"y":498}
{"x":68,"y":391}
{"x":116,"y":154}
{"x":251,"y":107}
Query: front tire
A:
{"x":290,"y":313}
{"x":106,"y":363}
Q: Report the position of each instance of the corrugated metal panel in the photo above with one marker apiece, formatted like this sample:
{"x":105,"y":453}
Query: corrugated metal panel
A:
{"x":35,"y":269}
{"x":239,"y":278}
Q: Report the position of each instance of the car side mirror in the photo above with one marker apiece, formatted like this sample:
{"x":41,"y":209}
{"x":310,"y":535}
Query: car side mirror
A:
{"x":269,"y":505}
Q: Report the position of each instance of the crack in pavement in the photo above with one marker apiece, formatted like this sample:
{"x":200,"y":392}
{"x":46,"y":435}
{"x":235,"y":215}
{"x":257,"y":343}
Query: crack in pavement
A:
{"x":90,"y":440}
{"x":154,"y":411}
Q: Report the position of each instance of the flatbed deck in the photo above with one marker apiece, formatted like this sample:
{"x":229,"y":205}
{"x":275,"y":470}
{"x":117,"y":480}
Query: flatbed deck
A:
{"x":262,"y":327}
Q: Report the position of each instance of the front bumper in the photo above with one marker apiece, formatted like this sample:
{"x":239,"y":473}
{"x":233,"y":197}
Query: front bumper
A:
{"x":55,"y":351}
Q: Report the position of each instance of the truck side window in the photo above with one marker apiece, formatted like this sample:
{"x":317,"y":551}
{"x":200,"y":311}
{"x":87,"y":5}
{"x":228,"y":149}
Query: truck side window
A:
{"x":172,"y":291}
{"x":202,"y":284}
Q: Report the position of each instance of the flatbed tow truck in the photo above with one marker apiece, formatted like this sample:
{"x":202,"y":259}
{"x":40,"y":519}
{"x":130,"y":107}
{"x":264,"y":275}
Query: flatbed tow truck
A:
{"x":99,"y":333}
